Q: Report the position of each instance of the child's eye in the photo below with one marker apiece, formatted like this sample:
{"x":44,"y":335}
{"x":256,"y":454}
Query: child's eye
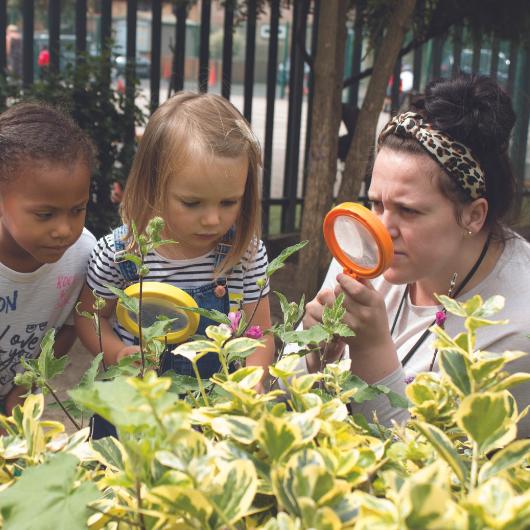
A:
{"x":43,"y":215}
{"x":79,"y":210}
{"x":229,"y":203}
{"x":190,"y":204}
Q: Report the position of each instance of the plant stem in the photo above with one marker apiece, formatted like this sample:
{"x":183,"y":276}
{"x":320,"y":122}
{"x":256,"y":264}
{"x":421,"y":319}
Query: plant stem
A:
{"x":322,"y":355}
{"x":157,"y":418}
{"x":139,"y":500}
{"x":54,"y":395}
{"x":474,"y":467}
{"x":140,"y":334}
{"x":249,"y":321}
{"x":201,"y":386}
{"x":222,"y":360}
{"x":114,"y":517}
{"x":100,"y":338}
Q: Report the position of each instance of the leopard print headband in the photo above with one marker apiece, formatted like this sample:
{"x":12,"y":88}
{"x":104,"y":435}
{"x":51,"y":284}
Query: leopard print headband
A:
{"x":454,"y":157}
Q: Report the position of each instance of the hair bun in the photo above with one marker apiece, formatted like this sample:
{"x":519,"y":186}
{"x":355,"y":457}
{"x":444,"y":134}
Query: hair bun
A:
{"x":474,"y":110}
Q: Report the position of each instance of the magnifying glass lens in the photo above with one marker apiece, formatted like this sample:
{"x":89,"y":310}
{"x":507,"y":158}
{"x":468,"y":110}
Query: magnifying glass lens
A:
{"x":356,"y":242}
{"x":152,"y":307}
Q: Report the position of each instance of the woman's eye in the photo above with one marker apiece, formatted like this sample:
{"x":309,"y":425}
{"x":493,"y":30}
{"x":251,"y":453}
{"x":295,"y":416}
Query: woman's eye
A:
{"x":376,"y":206}
{"x":229,"y":203}
{"x":408,"y":211}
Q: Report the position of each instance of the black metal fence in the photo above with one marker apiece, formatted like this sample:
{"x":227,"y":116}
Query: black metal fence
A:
{"x":424,"y":62}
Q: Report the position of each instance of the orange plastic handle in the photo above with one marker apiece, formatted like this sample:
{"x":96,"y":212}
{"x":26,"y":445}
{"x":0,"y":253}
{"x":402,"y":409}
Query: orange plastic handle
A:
{"x":373,"y":225}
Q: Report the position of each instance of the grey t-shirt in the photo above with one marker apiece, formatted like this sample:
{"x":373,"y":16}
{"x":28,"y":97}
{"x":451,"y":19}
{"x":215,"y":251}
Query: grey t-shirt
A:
{"x":33,"y":302}
{"x":510,"y":278}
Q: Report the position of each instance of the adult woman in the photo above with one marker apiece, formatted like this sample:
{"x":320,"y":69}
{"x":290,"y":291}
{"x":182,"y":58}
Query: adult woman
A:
{"x":441,"y":184}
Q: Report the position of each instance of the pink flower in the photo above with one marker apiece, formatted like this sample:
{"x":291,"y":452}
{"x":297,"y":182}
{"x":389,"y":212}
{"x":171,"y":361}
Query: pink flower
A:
{"x":254,"y":332}
{"x":440,"y":318}
{"x":234,"y":318}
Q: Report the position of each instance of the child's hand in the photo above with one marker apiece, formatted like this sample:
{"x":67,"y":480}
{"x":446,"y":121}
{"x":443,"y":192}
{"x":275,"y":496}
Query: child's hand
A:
{"x":125,"y":352}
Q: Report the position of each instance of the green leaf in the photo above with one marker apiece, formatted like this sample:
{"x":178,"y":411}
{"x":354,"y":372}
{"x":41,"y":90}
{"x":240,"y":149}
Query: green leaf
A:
{"x":512,"y":380}
{"x":488,"y":418}
{"x":182,"y":384}
{"x":212,"y":314}
{"x":277,"y":437}
{"x":286,"y":366}
{"x":452,"y":305}
{"x":129,"y":302}
{"x":89,"y":377}
{"x":241,"y":345}
{"x":456,"y":366}
{"x":513,"y":455}
{"x":46,"y":496}
{"x":342,"y":330}
{"x":110,"y":450}
{"x":240,"y":348}
{"x":490,"y":307}
{"x":443,"y":446}
{"x":312,"y":336}
{"x":236,"y":487}
{"x":278,"y":262}
{"x":191,"y":349}
{"x":47,"y":364}
{"x":239,"y":428}
{"x":159,"y":328}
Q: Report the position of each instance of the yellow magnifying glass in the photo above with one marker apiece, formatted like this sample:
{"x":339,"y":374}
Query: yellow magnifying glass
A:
{"x":160,"y":299}
{"x":358,"y":240}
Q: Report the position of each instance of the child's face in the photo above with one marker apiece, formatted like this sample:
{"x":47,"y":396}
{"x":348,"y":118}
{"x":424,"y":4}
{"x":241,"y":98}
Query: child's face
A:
{"x":203,"y":202}
{"x":42,"y":213}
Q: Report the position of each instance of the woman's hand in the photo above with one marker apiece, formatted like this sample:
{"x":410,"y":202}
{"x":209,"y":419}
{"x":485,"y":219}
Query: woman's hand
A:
{"x":315,"y":308}
{"x":372,"y":350}
{"x":365,"y":312}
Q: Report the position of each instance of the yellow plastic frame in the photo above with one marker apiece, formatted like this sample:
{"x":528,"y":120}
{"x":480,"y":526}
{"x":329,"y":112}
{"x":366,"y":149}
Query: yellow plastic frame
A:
{"x":377,"y":229}
{"x":166,"y":292}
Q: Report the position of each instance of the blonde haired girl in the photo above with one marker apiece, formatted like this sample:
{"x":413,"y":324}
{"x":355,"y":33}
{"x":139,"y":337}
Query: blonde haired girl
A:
{"x":197,"y":167}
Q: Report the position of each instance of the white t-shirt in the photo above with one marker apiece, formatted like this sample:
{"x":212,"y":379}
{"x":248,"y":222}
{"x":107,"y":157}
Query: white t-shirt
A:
{"x":510,"y":278}
{"x":33,"y":302}
{"x":184,"y":274}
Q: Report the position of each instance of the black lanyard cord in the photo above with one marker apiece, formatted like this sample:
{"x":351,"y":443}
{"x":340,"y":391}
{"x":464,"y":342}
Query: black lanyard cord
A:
{"x":424,"y":335}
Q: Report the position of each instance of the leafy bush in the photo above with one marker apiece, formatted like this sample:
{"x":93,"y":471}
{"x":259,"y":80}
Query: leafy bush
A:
{"x":216,"y":454}
{"x":103,"y":113}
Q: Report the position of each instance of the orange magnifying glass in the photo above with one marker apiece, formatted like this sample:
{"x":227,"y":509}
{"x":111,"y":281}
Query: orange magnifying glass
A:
{"x":358,"y":240}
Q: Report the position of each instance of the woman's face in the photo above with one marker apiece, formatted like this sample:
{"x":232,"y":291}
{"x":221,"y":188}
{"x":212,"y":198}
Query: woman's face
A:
{"x":421,"y":221}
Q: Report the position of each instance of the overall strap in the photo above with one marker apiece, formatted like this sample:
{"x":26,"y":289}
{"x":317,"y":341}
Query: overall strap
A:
{"x":127,"y":268}
{"x":222,"y":249}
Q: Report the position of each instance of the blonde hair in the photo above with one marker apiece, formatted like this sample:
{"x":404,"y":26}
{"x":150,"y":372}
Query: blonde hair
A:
{"x":184,"y":123}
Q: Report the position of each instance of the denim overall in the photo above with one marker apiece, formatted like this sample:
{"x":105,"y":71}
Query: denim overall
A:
{"x":206,"y":297}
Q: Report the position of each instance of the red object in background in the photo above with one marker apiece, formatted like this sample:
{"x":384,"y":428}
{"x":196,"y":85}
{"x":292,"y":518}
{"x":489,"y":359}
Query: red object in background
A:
{"x":116,"y":193}
{"x":44,"y":58}
{"x":120,"y":86}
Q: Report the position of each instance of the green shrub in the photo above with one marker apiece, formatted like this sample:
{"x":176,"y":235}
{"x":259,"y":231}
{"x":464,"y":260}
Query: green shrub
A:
{"x":223,"y":456}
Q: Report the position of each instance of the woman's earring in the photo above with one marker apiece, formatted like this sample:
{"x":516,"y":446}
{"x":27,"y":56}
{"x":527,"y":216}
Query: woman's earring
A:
{"x":468,"y":234}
